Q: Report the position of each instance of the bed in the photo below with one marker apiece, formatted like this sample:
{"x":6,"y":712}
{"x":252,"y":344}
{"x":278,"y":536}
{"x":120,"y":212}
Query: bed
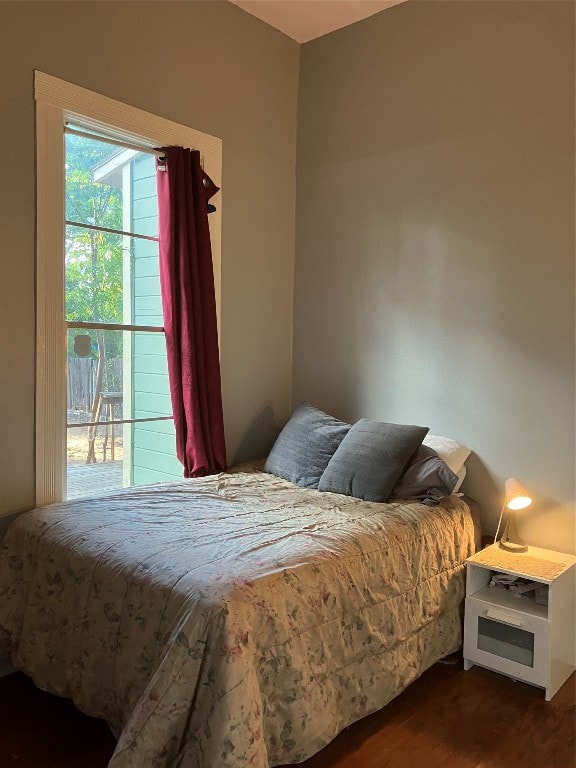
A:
{"x":231,"y":621}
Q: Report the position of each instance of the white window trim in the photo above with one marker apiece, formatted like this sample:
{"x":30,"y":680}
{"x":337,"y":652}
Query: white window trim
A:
{"x":59,"y":102}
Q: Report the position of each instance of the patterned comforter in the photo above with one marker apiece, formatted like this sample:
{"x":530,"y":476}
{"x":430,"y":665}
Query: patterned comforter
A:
{"x":231,"y":621}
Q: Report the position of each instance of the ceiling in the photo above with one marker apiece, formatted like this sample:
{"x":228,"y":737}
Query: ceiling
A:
{"x":304,"y":20}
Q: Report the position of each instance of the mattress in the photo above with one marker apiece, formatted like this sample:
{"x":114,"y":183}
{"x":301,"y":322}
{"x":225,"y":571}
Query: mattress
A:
{"x":233,"y":620}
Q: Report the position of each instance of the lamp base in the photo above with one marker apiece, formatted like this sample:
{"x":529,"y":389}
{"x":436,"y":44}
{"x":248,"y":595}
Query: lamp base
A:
{"x":512,"y":546}
{"x":511,"y":540}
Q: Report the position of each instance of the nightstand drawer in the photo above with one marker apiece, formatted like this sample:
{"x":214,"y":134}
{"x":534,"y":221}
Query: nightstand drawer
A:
{"x":509,"y":641}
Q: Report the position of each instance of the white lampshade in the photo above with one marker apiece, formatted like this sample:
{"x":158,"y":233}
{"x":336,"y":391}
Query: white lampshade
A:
{"x":516,"y":495}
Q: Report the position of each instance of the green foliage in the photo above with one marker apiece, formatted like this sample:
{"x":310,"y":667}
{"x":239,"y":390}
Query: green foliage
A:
{"x":93,"y":276}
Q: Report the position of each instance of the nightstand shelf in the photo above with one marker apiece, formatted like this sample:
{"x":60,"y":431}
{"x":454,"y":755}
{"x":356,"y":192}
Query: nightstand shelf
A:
{"x":518,"y":636}
{"x":503,"y":598}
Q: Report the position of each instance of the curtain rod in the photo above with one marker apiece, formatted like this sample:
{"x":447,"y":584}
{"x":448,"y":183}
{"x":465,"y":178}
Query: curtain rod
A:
{"x":116,"y":143}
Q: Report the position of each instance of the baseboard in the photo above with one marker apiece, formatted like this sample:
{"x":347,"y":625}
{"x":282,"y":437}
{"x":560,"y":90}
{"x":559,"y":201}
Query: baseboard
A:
{"x":6,"y":667}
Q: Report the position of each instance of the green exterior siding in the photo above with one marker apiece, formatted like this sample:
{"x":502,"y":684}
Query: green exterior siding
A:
{"x":153,"y":444}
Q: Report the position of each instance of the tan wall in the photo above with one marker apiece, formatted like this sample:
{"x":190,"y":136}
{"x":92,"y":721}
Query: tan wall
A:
{"x":434,"y":279}
{"x":208,"y":65}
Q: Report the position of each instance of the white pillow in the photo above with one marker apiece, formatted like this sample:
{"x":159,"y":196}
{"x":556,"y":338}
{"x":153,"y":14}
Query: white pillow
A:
{"x":461,"y":476}
{"x":452,"y":453}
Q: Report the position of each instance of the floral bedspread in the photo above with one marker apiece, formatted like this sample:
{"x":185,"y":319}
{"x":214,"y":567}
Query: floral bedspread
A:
{"x":231,"y":621}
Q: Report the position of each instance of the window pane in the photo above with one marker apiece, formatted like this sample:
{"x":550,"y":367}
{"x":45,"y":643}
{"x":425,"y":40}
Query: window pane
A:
{"x":93,"y":479}
{"x":112,"y":278}
{"x":94,"y":276}
{"x":108,"y":186}
{"x":114,"y":375}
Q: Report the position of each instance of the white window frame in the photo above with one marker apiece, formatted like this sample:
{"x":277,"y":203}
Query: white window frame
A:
{"x":59,"y":102}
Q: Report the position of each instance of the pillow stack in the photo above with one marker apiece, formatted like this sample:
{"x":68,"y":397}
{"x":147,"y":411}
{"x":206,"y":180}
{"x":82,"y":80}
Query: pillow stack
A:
{"x":453,"y":454}
{"x":427,"y":478}
{"x":370,"y":460}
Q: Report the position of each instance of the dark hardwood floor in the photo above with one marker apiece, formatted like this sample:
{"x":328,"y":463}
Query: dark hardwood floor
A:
{"x":447,"y":719}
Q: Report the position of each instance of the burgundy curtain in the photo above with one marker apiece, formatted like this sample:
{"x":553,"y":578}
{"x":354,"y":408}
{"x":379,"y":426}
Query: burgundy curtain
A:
{"x":189,"y":307}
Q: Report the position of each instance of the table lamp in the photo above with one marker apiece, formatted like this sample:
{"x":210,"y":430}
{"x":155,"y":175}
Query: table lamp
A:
{"x":516,"y":498}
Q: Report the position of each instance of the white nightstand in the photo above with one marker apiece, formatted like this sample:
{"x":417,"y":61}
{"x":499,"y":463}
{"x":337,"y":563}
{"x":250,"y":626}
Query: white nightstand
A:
{"x":518,"y":636}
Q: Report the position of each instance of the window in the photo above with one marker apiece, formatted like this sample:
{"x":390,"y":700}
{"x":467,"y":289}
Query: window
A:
{"x":103,"y":410}
{"x":119,"y":423}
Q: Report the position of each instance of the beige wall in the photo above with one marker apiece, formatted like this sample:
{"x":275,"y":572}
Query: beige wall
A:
{"x":434,"y":279}
{"x":208,"y":65}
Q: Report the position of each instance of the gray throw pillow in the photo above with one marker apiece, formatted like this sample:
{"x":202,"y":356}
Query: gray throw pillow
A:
{"x":371,"y":459}
{"x":427,"y":478}
{"x":305,"y":446}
